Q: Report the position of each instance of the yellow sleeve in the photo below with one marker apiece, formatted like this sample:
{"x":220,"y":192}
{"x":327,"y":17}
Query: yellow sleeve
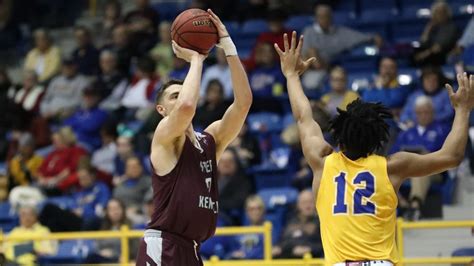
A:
{"x":349,"y":97}
{"x":325,"y":98}
{"x":45,"y":246}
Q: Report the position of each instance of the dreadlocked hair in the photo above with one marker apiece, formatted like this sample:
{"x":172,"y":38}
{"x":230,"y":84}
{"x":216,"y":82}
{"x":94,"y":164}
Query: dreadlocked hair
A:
{"x":361,"y":130}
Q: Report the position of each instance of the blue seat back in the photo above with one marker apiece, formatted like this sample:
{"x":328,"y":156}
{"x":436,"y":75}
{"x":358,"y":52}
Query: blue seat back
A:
{"x":264,"y":121}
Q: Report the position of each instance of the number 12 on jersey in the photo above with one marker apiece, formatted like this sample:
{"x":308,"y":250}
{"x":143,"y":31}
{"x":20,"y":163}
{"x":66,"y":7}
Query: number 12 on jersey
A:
{"x":358,"y":206}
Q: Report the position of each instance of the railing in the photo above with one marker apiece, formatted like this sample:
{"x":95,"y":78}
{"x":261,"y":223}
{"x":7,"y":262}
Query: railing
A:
{"x":124,"y":234}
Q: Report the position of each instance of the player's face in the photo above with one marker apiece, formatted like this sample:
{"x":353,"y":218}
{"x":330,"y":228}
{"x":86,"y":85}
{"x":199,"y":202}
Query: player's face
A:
{"x":169,"y":100}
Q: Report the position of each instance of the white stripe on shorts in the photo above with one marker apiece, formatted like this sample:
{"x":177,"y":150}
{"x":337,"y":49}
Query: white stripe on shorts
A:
{"x":154,"y":248}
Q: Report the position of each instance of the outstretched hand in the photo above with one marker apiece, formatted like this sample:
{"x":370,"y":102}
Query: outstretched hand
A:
{"x":290,"y":59}
{"x":464,"y":96}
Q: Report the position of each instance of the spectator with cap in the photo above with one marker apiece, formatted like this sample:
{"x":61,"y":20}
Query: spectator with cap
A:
{"x":26,"y":252}
{"x":331,"y":40}
{"x":44,"y":58}
{"x":302,"y":232}
{"x":162,"y":53}
{"x":86,"y":54}
{"x":103,"y":158}
{"x":131,"y":187}
{"x":23,"y":168}
{"x":251,"y":246}
{"x":426,"y":136}
{"x":87,"y":121}
{"x":64,"y":93}
{"x":219,"y":71}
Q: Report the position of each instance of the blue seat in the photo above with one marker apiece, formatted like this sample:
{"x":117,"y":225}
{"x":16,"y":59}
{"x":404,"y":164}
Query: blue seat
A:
{"x":43,"y":152}
{"x":8,"y":217}
{"x":264,"y":122}
{"x":408,"y":75}
{"x":343,"y":17}
{"x":278,"y":197}
{"x":418,"y":3}
{"x":232,"y":27}
{"x":359,"y":80}
{"x":378,"y":4}
{"x":347,"y":5}
{"x":64,"y":202}
{"x":380,"y":15}
{"x":277,"y":220}
{"x":298,"y":22}
{"x":69,"y":252}
{"x":254,"y":26}
{"x":288,"y":119}
{"x":272,"y":180}
{"x":169,"y":10}
{"x":403,"y":32}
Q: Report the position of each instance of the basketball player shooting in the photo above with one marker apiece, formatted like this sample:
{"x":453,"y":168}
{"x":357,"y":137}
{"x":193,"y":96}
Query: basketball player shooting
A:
{"x":356,"y":190}
{"x":185,"y":162}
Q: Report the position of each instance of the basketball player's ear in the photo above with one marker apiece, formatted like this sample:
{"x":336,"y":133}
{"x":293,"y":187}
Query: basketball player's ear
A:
{"x":160,"y":109}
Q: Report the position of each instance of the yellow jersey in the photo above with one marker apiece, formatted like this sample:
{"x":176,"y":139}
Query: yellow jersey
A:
{"x":356,"y":204}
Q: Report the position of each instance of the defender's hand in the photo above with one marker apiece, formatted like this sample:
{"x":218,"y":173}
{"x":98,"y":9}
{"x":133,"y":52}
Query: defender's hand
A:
{"x":185,"y":53}
{"x":290,"y":59}
{"x":221,"y":30}
{"x":464,"y":96}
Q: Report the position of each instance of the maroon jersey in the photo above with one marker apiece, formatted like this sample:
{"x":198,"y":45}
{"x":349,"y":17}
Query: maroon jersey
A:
{"x":185,"y":200}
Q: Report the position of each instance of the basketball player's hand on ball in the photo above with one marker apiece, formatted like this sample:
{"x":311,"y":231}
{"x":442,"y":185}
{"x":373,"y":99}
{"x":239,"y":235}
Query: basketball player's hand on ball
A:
{"x":186,"y":54}
{"x":221,"y":30}
{"x":290,"y":59}
{"x":464,"y":96}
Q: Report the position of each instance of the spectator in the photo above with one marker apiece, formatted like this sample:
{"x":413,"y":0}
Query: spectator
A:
{"x":386,"y":88}
{"x":313,"y":79}
{"x":433,"y":81}
{"x":64,"y":92}
{"x":85,"y":55}
{"x":60,"y":162}
{"x":23,"y":168}
{"x":438,"y":38}
{"x":247,"y":148}
{"x":26,"y":101}
{"x":339,"y":96}
{"x":45,"y":58}
{"x":213,"y":107}
{"x":301,"y":234}
{"x":109,"y":250}
{"x":275,"y":19}
{"x":221,"y":72}
{"x":251,"y":246}
{"x":26,"y":252}
{"x":91,"y":199}
{"x":103,"y":158}
{"x":112,"y":17}
{"x":266,"y":79}
{"x":87,"y":121}
{"x":162,"y":52}
{"x":230,"y":176}
{"x":139,"y":93}
{"x":125,"y":150}
{"x":331,"y":40}
{"x":142,"y":23}
{"x":131,"y":187}
{"x":147,"y":211}
{"x":111,"y":82}
{"x":425,"y":136}
{"x":122,"y":47}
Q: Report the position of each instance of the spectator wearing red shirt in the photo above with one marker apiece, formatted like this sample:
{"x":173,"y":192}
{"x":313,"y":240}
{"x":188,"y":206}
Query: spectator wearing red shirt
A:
{"x":275,"y":20}
{"x":60,"y":163}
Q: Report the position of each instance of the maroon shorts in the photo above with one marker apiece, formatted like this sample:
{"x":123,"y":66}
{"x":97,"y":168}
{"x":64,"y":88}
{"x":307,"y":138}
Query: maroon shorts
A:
{"x":158,"y":248}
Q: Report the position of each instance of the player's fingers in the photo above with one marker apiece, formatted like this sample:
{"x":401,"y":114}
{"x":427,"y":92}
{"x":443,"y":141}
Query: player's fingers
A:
{"x":285,"y":42}
{"x":300,"y":45}
{"x":214,"y":15}
{"x":310,"y":60}
{"x":293,"y":40}
{"x":460,"y":80}
{"x":471,"y":83}
{"x":465,"y":80}
{"x":278,"y":50}
{"x":450,"y":90}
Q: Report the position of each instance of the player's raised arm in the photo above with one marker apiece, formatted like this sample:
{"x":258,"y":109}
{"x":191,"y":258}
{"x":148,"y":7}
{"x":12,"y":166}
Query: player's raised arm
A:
{"x":315,"y":148}
{"x":178,"y":119}
{"x":227,"y":129}
{"x":403,"y":165}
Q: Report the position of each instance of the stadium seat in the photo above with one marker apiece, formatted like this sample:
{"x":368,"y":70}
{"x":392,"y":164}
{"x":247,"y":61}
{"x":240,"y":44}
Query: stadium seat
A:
{"x":299,"y":22}
{"x":418,"y":3}
{"x":381,"y":15}
{"x":359,"y":80}
{"x":264,"y":122}
{"x":278,"y":197}
{"x":254,"y":26}
{"x":378,"y":4}
{"x":347,"y":5}
{"x":8,"y":217}
{"x":406,"y":31}
{"x":272,"y":180}
{"x":232,"y":27}
{"x":341,"y":17}
{"x":288,"y":119}
{"x":169,"y":10}
{"x":69,"y":252}
{"x":64,"y":202}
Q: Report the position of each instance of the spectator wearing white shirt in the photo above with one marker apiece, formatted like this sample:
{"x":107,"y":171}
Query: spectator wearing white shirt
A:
{"x":104,"y":158}
{"x":221,"y":72}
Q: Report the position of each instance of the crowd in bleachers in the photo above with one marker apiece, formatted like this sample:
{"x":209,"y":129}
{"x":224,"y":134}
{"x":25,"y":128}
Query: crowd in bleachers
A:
{"x":75,"y":133}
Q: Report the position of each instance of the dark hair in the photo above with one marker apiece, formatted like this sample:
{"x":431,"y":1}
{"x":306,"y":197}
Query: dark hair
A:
{"x":146,"y":64}
{"x":116,"y":4}
{"x":161,"y":90}
{"x":107,"y":223}
{"x":215,"y":82}
{"x":82,"y":28}
{"x":361,"y":130}
{"x":432,"y":70}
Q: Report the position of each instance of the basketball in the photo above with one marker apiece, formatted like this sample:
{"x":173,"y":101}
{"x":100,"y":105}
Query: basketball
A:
{"x":194,"y":30}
